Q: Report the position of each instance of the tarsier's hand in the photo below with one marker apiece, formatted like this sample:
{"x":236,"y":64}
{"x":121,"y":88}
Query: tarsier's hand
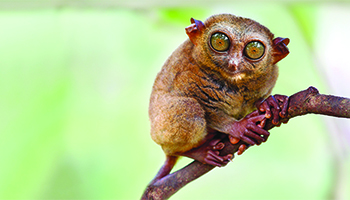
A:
{"x":250,"y":130}
{"x":275,"y":108}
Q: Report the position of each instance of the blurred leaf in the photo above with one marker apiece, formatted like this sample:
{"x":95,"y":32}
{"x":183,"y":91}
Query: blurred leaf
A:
{"x":182,"y":16}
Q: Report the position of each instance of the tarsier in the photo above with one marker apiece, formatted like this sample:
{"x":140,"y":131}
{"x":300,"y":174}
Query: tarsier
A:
{"x":209,"y":85}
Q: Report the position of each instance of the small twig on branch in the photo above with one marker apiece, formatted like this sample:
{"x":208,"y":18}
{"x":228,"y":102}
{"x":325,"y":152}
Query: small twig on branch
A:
{"x":304,"y":102}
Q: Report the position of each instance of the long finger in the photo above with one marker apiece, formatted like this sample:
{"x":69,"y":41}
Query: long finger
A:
{"x":247,"y":140}
{"x":283,"y":101}
{"x":265,"y":107}
{"x":241,"y":149}
{"x":256,"y":129}
{"x":256,"y":138}
{"x":284,"y":111}
{"x":252,"y":114}
{"x":215,"y":156}
{"x":256,"y":119}
{"x":273,"y":102}
{"x":262,"y":123}
{"x":276,"y":116}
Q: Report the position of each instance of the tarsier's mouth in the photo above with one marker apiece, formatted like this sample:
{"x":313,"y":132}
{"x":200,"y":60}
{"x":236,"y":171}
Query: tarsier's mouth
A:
{"x":233,"y":71}
{"x":235,"y":74}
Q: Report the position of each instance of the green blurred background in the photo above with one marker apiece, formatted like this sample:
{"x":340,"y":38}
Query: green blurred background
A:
{"x":76,"y":77}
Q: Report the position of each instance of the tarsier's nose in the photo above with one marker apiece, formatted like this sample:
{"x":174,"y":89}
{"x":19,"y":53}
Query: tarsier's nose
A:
{"x":233,"y":63}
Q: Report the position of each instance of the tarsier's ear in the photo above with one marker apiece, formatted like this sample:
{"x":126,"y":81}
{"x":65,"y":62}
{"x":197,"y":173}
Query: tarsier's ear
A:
{"x":280,"y":49}
{"x":194,"y":30}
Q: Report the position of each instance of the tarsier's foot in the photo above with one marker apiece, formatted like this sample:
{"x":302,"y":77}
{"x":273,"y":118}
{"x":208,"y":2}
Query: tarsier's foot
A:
{"x":275,"y":108}
{"x":208,"y":152}
{"x":250,"y":130}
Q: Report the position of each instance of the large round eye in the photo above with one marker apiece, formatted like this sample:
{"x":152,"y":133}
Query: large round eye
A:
{"x":254,"y":50}
{"x":220,"y":41}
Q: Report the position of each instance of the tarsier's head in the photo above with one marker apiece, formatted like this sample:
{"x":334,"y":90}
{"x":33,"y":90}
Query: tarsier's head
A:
{"x":235,"y":47}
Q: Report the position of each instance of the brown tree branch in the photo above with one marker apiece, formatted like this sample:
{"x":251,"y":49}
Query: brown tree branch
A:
{"x":301,"y":103}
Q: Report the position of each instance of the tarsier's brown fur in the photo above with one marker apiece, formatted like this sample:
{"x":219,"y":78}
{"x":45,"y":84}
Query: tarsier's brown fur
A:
{"x":198,"y":90}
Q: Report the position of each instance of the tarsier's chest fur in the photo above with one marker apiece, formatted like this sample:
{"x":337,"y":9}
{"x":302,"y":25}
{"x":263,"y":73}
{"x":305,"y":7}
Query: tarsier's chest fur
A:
{"x":215,"y":95}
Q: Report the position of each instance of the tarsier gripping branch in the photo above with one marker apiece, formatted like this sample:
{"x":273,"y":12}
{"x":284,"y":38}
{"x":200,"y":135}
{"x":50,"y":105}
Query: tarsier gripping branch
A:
{"x":206,"y":88}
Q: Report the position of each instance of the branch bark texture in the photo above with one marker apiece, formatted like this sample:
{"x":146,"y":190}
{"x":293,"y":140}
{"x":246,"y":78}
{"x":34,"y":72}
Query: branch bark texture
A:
{"x":301,"y":103}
